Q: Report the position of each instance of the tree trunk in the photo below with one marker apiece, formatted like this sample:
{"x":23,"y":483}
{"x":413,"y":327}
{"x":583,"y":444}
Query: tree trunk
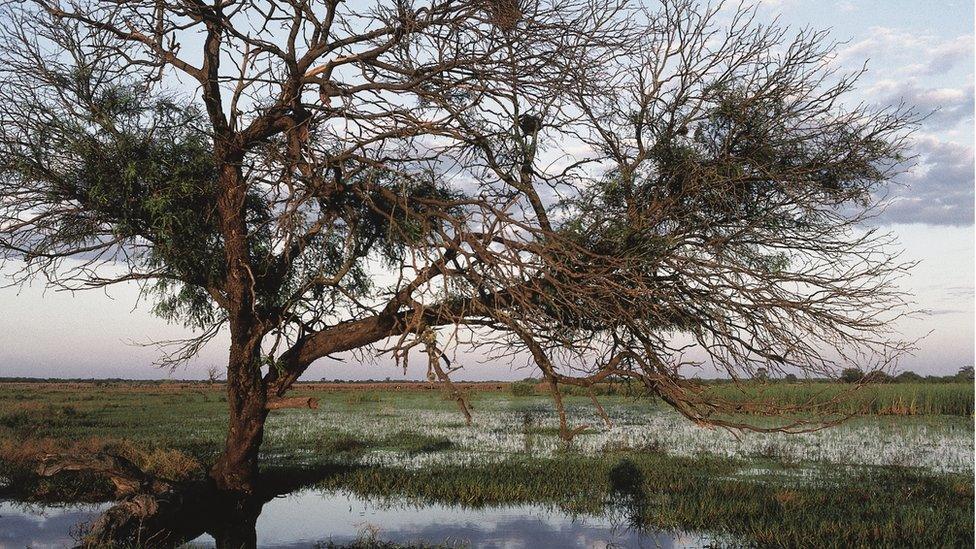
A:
{"x":237,"y":468}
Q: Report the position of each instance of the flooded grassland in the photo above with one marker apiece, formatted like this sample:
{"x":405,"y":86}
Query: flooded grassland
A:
{"x":403,"y":467}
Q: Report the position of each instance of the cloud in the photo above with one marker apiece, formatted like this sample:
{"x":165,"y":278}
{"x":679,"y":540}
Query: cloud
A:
{"x":918,"y":53}
{"x":946,"y":107}
{"x":944,"y":56}
{"x":943,"y":312}
{"x":938,"y":190}
{"x":960,"y":291}
{"x":923,"y":71}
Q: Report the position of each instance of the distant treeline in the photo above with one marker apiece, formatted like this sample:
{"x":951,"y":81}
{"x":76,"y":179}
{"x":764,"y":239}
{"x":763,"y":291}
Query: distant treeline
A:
{"x":854,"y":393}
{"x":849,"y":375}
{"x":100,"y":381}
{"x":154,"y":382}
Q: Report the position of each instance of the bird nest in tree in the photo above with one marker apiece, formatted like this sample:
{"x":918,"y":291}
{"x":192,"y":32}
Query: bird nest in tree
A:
{"x":504,"y":14}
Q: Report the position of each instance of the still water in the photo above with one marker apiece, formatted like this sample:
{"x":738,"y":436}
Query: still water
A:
{"x":309,"y":518}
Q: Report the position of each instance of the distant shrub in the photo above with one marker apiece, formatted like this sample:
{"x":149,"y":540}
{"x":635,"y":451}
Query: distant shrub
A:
{"x":353,"y":398}
{"x":606,"y":388}
{"x":908,"y":377}
{"x":876,"y":376}
{"x":851,"y":375}
{"x":522,"y":388}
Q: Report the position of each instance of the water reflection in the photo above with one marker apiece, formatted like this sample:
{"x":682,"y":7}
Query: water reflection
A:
{"x":309,"y":518}
{"x":32,"y":526}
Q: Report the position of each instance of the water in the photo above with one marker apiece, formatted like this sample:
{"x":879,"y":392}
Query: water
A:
{"x":307,"y":518}
{"x":938,"y":444}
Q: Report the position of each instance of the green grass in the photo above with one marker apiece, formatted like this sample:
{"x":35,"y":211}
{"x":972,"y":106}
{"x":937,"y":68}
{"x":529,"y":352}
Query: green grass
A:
{"x":415,"y":443}
{"x":905,"y":398}
{"x":882,"y":508}
{"x":876,"y":398}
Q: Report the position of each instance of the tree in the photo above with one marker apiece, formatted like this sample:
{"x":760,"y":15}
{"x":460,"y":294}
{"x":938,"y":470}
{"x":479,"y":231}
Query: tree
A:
{"x":852,"y":375}
{"x":600,"y":187}
{"x":965,"y":373}
{"x":876,"y":376}
{"x":213,"y":374}
{"x":908,"y":376}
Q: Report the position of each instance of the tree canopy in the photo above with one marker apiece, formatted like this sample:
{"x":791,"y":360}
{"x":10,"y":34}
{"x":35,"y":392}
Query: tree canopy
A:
{"x":606,"y":187}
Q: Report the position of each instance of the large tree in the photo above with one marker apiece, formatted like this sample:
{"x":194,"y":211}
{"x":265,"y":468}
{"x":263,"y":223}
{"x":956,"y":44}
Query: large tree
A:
{"x":610,"y":189}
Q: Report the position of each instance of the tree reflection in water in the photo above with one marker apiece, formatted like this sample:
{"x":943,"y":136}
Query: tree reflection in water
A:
{"x":306,"y":518}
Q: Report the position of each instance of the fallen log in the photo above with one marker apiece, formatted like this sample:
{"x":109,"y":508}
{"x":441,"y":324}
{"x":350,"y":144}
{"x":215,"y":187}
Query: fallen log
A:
{"x":151,"y":511}
{"x":125,"y":475}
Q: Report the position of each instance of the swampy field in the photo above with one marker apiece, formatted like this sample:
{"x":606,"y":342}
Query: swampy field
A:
{"x":395,"y":465}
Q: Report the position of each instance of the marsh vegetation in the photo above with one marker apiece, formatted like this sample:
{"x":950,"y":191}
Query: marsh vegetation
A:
{"x":652,"y":472}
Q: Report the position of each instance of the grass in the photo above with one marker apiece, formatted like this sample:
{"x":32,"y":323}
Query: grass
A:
{"x":654,"y":468}
{"x":17,"y":459}
{"x":899,"y":399}
{"x":884,"y":508}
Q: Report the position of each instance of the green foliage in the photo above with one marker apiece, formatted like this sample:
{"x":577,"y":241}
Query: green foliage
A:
{"x":908,"y":377}
{"x":139,"y":170}
{"x":745,"y":190}
{"x":876,"y":376}
{"x":851,"y":375}
{"x":523,"y":388}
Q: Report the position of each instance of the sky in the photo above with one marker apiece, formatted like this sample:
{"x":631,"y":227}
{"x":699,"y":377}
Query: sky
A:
{"x":918,"y":52}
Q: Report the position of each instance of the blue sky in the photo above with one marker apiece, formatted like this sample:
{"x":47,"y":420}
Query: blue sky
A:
{"x":917,"y":52}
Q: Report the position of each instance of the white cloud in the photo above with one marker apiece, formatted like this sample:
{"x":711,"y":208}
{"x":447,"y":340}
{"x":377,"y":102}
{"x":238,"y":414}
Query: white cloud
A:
{"x":945,"y":107}
{"x":939,"y":190}
{"x":913,"y":53}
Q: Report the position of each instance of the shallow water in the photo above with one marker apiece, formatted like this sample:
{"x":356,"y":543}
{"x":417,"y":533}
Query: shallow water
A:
{"x":307,"y":518}
{"x":934,"y":443}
